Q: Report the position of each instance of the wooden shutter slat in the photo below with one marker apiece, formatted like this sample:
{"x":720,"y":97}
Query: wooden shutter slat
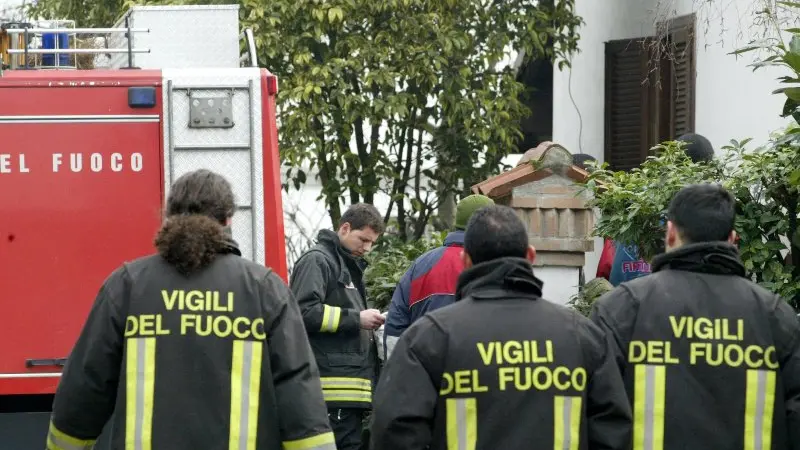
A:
{"x":626,"y":141}
{"x":681,"y":36}
{"x":639,"y":113}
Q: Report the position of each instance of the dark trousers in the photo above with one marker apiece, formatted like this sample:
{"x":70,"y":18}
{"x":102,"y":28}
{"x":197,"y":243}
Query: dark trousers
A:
{"x":347,"y":425}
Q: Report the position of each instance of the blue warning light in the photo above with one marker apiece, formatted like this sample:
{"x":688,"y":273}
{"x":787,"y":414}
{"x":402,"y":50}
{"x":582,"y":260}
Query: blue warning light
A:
{"x":142,"y":97}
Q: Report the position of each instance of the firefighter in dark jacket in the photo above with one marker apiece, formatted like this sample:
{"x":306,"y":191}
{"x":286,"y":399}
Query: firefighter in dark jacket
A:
{"x":709,"y":358}
{"x":328,"y":284}
{"x":194,"y":347}
{"x":501,"y":368}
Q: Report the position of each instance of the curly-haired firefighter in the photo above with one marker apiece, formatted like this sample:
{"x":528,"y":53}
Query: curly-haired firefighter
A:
{"x":194,"y":347}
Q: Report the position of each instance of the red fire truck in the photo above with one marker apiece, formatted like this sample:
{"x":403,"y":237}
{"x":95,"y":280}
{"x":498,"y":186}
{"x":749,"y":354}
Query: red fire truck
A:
{"x":86,"y":160}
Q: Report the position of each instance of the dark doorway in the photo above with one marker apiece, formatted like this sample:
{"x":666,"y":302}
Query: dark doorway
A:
{"x":537,"y":75}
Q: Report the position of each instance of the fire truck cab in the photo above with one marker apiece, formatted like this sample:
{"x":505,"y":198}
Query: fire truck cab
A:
{"x":87,"y":155}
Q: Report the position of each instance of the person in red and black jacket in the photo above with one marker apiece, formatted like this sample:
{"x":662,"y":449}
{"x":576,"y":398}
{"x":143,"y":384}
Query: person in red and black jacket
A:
{"x":606,"y":259}
{"x":430,"y":282}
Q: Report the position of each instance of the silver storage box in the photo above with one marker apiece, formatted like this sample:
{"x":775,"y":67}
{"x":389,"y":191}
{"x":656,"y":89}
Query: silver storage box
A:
{"x":192,"y":36}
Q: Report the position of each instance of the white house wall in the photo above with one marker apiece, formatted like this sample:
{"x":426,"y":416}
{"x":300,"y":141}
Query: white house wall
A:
{"x":579,"y":126}
{"x":732,"y":102}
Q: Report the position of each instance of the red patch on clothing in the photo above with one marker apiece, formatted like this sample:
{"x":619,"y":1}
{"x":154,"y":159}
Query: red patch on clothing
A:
{"x":441,"y":279}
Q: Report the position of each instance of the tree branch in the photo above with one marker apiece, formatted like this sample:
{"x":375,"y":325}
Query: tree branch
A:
{"x":401,"y":212}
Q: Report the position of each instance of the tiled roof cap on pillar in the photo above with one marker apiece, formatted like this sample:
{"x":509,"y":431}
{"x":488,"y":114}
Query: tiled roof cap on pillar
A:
{"x":543,"y":190}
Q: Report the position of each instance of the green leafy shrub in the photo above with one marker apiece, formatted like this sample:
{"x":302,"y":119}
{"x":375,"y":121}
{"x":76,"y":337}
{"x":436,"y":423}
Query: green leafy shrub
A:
{"x":583,"y":300}
{"x":633,"y":205}
{"x":389,"y":260}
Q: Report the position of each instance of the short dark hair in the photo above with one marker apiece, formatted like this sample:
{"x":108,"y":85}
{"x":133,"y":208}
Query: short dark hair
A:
{"x":698,"y":148}
{"x":201,"y":192}
{"x":582,"y":159}
{"x":495,"y":232}
{"x":703,"y":213}
{"x":363,"y":215}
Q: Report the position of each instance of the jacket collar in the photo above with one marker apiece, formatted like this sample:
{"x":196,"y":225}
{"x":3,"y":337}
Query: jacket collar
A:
{"x":455,"y":238}
{"x":231,"y":246}
{"x":720,"y":258}
{"x":498,"y":278}
{"x":330,"y":240}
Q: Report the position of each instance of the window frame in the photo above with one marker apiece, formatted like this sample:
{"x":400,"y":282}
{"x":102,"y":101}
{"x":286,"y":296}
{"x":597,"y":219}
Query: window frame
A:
{"x":658,"y":103}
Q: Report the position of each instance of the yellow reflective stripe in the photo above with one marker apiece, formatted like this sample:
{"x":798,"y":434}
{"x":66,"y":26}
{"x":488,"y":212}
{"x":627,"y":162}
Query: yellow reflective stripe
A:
{"x":462,"y":423}
{"x":140,"y":370}
{"x":759,"y":408}
{"x":337,"y":316}
{"x":346,"y":383}
{"x":648,"y":407}
{"x":330,"y":318}
{"x":245,"y":394}
{"x":58,"y":440}
{"x":324,"y":441}
{"x":567,"y":423}
{"x":345,"y":395}
{"x":346,"y":389}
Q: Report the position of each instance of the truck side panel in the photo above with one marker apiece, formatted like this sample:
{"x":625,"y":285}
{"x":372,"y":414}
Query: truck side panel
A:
{"x":273,"y":198}
{"x":80,"y":192}
{"x":241,"y":145}
{"x":88,"y":221}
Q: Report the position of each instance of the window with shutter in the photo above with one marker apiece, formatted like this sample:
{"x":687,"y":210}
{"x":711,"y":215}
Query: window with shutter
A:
{"x":680,"y":66}
{"x":626,"y":103}
{"x":646,"y":106}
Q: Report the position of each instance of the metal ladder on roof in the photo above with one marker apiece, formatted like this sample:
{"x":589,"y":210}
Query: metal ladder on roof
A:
{"x":215,"y":123}
{"x":19,"y":41}
{"x":26,"y":41}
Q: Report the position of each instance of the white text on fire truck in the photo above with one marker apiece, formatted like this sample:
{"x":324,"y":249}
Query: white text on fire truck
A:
{"x":76,"y":162}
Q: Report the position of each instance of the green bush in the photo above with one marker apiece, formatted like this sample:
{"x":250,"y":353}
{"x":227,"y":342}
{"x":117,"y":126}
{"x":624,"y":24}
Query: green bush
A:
{"x":583,"y":300}
{"x":633,"y":205}
{"x":389,"y":260}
